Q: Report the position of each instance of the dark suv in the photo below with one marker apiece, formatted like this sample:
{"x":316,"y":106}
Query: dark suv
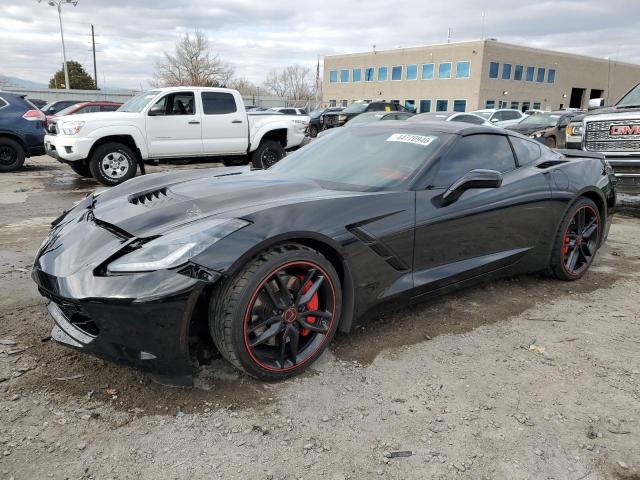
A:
{"x":338,"y":119}
{"x":21,"y":131}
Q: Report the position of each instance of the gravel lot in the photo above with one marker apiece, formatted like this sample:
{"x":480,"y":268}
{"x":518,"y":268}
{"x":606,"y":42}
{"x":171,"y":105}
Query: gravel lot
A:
{"x":525,"y":378}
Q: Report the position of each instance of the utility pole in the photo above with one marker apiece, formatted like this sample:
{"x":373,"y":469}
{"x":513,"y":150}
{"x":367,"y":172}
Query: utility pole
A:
{"x":482,"y":25}
{"x":449,"y":35}
{"x":93,"y":46}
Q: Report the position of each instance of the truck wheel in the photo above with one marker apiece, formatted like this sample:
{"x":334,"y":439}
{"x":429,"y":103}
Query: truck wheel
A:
{"x":81,"y":168}
{"x":234,"y":161}
{"x":11,"y":155}
{"x":313,"y":131}
{"x":267,"y":154}
{"x":550,"y":142}
{"x":113,"y":163}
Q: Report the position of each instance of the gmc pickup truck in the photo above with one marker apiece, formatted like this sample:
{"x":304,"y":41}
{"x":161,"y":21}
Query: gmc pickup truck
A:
{"x":174,"y":122}
{"x":612,"y":131}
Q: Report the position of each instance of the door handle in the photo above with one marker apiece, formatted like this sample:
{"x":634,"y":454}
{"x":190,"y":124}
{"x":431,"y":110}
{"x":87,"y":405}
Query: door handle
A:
{"x":194,"y":122}
{"x":237,"y":121}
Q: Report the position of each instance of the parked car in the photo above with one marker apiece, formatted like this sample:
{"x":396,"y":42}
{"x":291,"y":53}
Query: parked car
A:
{"x":290,"y":110}
{"x":38,"y":102}
{"x":174,"y":122}
{"x":338,"y":119}
{"x":501,"y":117}
{"x":613,"y":131}
{"x":316,"y":119}
{"x":274,"y":262}
{"x":532,"y":111}
{"x":451,"y":117}
{"x":82,"y":107}
{"x":370,"y":117}
{"x":21,"y":131}
{"x":546,"y":127}
{"x":54,"y":107}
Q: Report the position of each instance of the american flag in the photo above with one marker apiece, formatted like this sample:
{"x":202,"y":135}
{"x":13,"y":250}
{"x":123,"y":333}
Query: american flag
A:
{"x":318,"y":74}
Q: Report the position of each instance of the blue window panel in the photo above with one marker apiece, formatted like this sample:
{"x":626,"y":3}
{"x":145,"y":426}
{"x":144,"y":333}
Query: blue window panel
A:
{"x":444,"y":70}
{"x":515,"y":105}
{"x":410,"y":104}
{"x":344,"y":76}
{"x":427,"y":72}
{"x":493,"y":69}
{"x":459,"y":105}
{"x":425,"y":106}
{"x":551,"y":76}
{"x":540,"y":76}
{"x":412,"y":72}
{"x":333,"y":76}
{"x":506,"y":71}
{"x":356,"y":75}
{"x":490,"y":104}
{"x":368,"y":74}
{"x":396,"y":72}
{"x":383,"y":74}
{"x":463,"y":69}
{"x":530,"y":73}
{"x":442,"y":105}
{"x":536,"y":105}
{"x":517,"y":73}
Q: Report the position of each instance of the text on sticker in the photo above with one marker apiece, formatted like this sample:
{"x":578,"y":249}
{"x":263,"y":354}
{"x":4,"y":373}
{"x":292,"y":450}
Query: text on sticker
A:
{"x":408,"y":138}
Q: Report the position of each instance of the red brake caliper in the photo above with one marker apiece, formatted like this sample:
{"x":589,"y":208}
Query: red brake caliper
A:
{"x":565,"y":247}
{"x":312,"y":305}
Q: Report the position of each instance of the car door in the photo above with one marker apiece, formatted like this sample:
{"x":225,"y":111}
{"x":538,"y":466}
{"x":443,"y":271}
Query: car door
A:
{"x":173,"y":126}
{"x":485,"y":229}
{"x":224,"y":126}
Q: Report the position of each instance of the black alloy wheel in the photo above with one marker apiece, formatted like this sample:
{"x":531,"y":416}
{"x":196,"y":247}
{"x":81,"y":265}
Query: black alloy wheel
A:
{"x":11,"y":155}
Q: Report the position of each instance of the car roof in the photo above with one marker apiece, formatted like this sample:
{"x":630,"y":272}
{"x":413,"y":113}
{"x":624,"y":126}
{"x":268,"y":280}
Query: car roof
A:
{"x":458,"y":128}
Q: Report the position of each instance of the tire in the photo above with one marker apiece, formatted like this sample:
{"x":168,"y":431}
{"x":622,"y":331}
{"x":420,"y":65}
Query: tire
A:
{"x":577,"y":241}
{"x":11,"y":155}
{"x":234,"y":161}
{"x":313,"y":131}
{"x":120,"y":157}
{"x":550,"y":142}
{"x":267,"y":154}
{"x":81,"y":168}
{"x":234,"y":304}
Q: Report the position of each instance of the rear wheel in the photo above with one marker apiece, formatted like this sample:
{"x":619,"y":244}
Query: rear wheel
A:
{"x":81,"y":168}
{"x":277,"y":315}
{"x":577,"y":241}
{"x":113,"y":163}
{"x":313,"y":131}
{"x":267,"y":154}
{"x":11,"y":155}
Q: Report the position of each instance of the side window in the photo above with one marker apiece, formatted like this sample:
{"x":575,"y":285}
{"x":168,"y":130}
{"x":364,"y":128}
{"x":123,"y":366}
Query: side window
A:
{"x":218,"y":103}
{"x":468,"y":119}
{"x":288,"y":111}
{"x":3,"y":102}
{"x":376,"y":107}
{"x":499,"y":116}
{"x":510,"y":115}
{"x":180,"y":103}
{"x":109,"y":108}
{"x":526,"y":152}
{"x":490,"y":152}
{"x":89,"y":109}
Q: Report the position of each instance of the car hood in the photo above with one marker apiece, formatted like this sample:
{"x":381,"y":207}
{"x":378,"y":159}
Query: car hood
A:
{"x":153,"y":204}
{"x":99,"y":116}
{"x":604,"y":110}
{"x":528,"y":128}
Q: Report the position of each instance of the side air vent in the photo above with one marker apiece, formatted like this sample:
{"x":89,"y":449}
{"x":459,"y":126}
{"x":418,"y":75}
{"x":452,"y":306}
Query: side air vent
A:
{"x":146,"y":198}
{"x":378,"y":247}
{"x":550,"y":163}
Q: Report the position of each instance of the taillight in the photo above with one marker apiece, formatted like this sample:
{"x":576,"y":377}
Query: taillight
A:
{"x":34,"y":115}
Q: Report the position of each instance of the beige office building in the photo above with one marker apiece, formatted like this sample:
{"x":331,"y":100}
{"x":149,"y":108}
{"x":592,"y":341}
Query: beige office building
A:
{"x":472,"y":75}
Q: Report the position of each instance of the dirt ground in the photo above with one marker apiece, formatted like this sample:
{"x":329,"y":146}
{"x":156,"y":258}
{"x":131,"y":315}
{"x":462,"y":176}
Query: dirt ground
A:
{"x":524,"y":378}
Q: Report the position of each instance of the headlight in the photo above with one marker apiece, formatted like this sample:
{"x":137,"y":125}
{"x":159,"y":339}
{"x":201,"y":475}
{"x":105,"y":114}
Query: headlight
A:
{"x":574,"y":130}
{"x":71,"y":128}
{"x":342,"y":118}
{"x":177,"y":247}
{"x":537,"y":134}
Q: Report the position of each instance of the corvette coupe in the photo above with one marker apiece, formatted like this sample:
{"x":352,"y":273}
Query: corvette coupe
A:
{"x":269,"y":264}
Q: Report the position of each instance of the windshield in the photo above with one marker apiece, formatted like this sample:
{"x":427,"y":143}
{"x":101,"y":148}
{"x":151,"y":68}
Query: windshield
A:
{"x":631,"y":99}
{"x":137,"y":103}
{"x":391,"y":155}
{"x":356,"y":107}
{"x":316,"y":113}
{"x":485,"y":115}
{"x":66,"y":111}
{"x":546,"y":119}
{"x":365,"y":118}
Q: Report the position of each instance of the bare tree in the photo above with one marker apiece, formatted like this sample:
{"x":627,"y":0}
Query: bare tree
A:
{"x":294,"y":82}
{"x":276,"y":84}
{"x":193,"y":63}
{"x":244,"y":86}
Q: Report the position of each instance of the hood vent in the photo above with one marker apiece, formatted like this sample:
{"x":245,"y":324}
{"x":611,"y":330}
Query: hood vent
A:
{"x":145,"y":198}
{"x":550,"y":163}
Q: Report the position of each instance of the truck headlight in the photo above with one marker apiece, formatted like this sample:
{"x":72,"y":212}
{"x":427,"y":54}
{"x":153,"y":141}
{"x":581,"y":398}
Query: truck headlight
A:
{"x":71,"y":128}
{"x":177,"y":247}
{"x":342,"y":118}
{"x":574,"y":130}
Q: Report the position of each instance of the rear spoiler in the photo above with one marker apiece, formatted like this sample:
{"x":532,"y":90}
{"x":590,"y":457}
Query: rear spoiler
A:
{"x":572,"y":153}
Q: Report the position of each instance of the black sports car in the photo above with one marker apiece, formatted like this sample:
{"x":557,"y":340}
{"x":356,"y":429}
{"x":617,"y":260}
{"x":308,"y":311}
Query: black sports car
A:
{"x":272,"y":263}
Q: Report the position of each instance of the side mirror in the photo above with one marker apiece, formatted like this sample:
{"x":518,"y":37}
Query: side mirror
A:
{"x":474,"y":179}
{"x":596,"y":103}
{"x":156,"y":111}
{"x":494,"y":120}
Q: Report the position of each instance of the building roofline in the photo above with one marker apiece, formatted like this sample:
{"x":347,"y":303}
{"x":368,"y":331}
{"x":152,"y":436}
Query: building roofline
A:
{"x":414,"y":47}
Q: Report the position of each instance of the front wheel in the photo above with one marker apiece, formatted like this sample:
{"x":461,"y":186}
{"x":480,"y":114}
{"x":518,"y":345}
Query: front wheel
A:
{"x":267,"y":154}
{"x":577,"y":241}
{"x":11,"y":155}
{"x":277,"y":315}
{"x":550,"y":142}
{"x":113,"y":163}
{"x":313,"y":131}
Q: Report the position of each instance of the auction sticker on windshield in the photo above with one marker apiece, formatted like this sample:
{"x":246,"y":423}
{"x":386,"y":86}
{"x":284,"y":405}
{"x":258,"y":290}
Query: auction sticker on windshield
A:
{"x":423,"y":140}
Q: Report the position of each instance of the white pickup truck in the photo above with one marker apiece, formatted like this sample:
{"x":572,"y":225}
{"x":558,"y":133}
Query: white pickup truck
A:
{"x":174,"y":122}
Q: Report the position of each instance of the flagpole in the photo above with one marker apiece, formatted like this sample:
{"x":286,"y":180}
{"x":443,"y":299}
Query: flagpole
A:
{"x":317,"y":81}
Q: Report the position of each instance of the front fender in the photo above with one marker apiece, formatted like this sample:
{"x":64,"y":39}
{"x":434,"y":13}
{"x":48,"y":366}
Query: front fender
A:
{"x":130,"y":130}
{"x":262,"y":130}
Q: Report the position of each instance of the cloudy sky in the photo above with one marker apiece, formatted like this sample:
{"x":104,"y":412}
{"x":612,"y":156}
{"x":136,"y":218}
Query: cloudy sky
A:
{"x":256,"y":35}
